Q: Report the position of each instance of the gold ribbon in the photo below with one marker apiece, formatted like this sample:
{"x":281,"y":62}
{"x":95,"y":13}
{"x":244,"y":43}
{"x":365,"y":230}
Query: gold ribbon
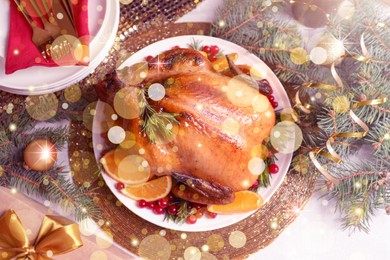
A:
{"x":306,"y":107}
{"x":57,"y":235}
{"x":331,"y":154}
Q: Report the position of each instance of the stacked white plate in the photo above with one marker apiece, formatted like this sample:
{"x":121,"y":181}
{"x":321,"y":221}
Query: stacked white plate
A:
{"x":103,"y":21}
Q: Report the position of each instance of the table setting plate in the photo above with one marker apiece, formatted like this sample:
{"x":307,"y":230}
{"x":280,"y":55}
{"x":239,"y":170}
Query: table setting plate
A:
{"x":103,"y":20}
{"x":101,"y":142}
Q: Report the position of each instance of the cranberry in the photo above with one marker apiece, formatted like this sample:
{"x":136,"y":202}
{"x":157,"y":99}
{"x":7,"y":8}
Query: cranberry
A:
{"x":163,"y":203}
{"x":158,"y":210}
{"x":214,"y":49}
{"x":212,"y":57}
{"x":211,"y":214}
{"x":141,"y":203}
{"x":197,"y":206}
{"x":172,"y":210}
{"x":191,"y":219}
{"x":190,"y":206}
{"x":271,"y":98}
{"x":149,"y":58}
{"x":176,"y":47}
{"x":206,"y":49}
{"x":119,"y":186}
{"x":150,"y":204}
{"x":255,"y":185}
{"x":171,"y":197}
{"x":274,"y":104}
{"x":273,"y":168}
{"x":199,"y":214}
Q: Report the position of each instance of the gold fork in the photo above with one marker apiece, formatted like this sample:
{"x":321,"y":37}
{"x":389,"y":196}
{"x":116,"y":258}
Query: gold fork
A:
{"x":40,"y":37}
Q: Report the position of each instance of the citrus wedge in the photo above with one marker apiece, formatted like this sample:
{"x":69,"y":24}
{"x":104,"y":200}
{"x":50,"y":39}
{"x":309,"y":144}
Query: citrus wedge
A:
{"x":244,"y":201}
{"x":221,"y":64}
{"x":127,"y":168}
{"x":151,"y":190}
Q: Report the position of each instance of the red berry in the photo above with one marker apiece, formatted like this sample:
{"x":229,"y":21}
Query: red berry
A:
{"x":149,"y":58}
{"x":150,"y":204}
{"x":271,"y":98}
{"x":176,"y":47}
{"x":171,"y":197}
{"x":255,"y":185}
{"x":274,"y":104}
{"x":273,"y":168}
{"x":163,"y":203}
{"x":212,"y":57}
{"x":141,"y":203}
{"x":211,"y":214}
{"x":199,"y":214}
{"x":119,"y":186}
{"x":191,"y":219}
{"x":206,"y":49}
{"x":190,"y":206}
{"x":197,"y":206}
{"x":172,"y":210}
{"x":214,"y":49}
{"x":158,"y":210}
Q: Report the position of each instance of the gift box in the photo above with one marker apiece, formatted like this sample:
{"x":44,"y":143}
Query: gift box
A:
{"x":96,"y":245}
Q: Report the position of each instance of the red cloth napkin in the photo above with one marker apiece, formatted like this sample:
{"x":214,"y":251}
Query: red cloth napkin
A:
{"x":21,"y":51}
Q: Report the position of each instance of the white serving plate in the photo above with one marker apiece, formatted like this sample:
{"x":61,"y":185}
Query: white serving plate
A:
{"x":283,"y":160}
{"x":38,"y":79}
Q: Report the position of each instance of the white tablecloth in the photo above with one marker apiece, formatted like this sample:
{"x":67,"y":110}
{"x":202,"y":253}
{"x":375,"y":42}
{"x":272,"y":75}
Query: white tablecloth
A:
{"x":316,"y":233}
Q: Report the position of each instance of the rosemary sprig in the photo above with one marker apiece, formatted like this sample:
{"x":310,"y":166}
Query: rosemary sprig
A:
{"x":156,"y":125}
{"x":196,"y":44}
{"x":182,"y":213}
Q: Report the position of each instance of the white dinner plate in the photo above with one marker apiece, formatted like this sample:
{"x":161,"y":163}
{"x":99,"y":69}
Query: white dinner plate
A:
{"x":244,"y":57}
{"x":103,"y":20}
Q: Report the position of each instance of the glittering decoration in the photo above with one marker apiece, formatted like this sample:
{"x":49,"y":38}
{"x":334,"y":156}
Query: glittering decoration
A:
{"x":237,"y":239}
{"x":104,"y":239}
{"x":126,"y":103}
{"x":156,"y":92}
{"x":104,"y":110}
{"x":341,"y":104}
{"x":84,"y":168}
{"x":301,"y":164}
{"x":72,"y":93}
{"x":116,"y":134}
{"x":299,"y":56}
{"x":215,"y":242}
{"x":98,"y":255}
{"x":346,"y":9}
{"x":333,"y":47}
{"x":40,"y":155}
{"x":42,"y":107}
{"x":286,"y":137}
{"x":154,"y":246}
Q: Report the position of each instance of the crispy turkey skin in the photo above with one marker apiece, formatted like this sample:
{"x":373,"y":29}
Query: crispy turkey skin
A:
{"x":222,"y":119}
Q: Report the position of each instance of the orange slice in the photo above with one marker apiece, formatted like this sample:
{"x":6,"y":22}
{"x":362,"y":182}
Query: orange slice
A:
{"x":151,"y":190}
{"x":244,"y":201}
{"x":127,"y":168}
{"x":221,"y":64}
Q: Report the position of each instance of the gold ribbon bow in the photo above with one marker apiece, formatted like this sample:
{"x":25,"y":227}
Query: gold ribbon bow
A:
{"x":57,"y":235}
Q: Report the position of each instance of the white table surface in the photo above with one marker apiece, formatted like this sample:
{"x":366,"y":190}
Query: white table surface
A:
{"x":316,"y":233}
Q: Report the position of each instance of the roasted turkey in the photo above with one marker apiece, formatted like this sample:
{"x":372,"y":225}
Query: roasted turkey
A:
{"x":222,"y":119}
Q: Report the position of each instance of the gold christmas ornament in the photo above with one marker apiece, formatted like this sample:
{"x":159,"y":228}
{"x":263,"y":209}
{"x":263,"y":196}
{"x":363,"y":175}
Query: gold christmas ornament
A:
{"x":40,"y":155}
{"x":334,"y":49}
